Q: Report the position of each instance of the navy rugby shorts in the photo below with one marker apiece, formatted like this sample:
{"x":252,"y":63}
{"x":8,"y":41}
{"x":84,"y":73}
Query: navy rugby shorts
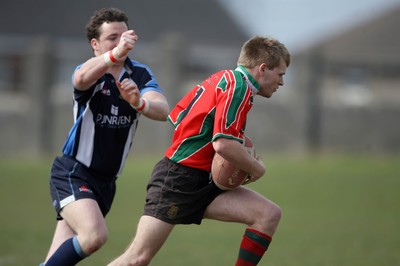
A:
{"x":71,"y":181}
{"x":178,"y":194}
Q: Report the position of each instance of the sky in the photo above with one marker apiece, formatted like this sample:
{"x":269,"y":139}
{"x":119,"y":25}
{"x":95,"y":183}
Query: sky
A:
{"x":299,"y":23}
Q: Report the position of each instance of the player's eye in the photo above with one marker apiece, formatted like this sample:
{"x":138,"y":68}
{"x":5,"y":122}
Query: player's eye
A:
{"x":113,"y":37}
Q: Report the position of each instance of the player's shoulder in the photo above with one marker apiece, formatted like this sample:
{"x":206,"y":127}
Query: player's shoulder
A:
{"x":136,"y":62}
{"x":232,"y":74}
{"x":136,"y":67}
{"x":235,"y":77}
{"x":225,"y":74}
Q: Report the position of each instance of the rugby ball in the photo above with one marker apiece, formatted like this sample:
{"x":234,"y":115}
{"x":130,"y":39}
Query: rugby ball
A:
{"x":226,"y":175}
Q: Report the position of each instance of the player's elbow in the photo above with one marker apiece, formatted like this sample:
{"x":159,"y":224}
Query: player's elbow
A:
{"x":160,"y":112}
{"x":220,"y":145}
{"x":80,"y":81}
{"x":164,"y":112}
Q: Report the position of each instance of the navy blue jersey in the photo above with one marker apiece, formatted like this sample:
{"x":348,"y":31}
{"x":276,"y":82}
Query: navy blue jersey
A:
{"x":104,"y":123}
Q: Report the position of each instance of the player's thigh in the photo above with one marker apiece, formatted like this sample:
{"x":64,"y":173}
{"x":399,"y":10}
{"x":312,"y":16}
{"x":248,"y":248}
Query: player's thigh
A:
{"x":241,"y":205}
{"x":84,"y":216}
{"x":151,"y":234}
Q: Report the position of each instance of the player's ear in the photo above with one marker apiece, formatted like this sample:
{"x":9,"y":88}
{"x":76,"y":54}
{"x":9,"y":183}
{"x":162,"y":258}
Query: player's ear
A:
{"x":95,"y":44}
{"x":262,"y":68}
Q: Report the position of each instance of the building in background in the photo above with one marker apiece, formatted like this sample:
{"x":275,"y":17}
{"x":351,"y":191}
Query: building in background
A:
{"x":341,"y":93}
{"x":350,"y":84}
{"x":40,"y":47}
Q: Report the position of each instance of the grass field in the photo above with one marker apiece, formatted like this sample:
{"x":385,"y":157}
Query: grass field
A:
{"x":338,"y":210}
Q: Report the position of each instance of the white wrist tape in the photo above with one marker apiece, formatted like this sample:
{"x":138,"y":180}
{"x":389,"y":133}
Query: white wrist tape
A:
{"x":111,"y":57}
{"x":143,"y":106}
{"x":114,"y":53}
{"x":107,"y":59}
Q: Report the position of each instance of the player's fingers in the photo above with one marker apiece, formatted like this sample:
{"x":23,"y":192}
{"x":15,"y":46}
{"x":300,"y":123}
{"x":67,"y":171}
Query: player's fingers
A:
{"x":131,"y":89}
{"x":119,"y":85}
{"x":130,"y":41}
{"x":127,"y":82}
{"x":129,"y":32}
{"x":123,"y":86}
{"x":131,"y":83}
{"x":129,"y":38}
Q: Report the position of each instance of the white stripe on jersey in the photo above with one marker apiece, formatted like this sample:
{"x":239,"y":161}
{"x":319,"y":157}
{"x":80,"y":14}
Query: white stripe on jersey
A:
{"x":86,"y":138}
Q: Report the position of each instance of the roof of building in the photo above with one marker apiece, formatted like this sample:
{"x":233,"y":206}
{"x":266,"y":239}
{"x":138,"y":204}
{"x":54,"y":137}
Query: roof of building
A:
{"x":374,"y":42}
{"x":196,"y":20}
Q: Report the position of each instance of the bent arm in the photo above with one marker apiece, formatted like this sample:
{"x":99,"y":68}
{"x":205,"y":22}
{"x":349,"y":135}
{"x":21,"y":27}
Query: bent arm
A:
{"x":236,"y":153}
{"x":90,"y":72}
{"x":97,"y":66}
{"x":159,"y":108}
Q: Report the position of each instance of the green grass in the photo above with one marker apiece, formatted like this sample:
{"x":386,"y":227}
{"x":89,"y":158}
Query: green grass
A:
{"x":337,"y":210}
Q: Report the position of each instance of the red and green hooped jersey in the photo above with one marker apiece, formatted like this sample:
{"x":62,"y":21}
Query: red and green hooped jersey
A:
{"x":216,"y":108}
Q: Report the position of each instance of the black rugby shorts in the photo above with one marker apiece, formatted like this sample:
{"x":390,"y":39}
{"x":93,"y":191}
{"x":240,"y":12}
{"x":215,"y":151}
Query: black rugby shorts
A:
{"x":71,"y":181}
{"x":178,"y":194}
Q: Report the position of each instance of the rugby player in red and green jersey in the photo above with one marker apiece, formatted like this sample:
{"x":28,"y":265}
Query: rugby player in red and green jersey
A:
{"x":211,"y":118}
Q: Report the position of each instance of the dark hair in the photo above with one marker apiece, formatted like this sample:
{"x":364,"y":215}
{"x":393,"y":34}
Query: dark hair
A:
{"x":100,"y":16}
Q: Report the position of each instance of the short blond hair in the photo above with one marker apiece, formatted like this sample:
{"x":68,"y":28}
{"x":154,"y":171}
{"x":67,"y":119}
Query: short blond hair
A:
{"x":259,"y":50}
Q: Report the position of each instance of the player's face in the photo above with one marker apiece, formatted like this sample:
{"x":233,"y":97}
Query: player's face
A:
{"x":271,"y":79}
{"x":110,"y":33}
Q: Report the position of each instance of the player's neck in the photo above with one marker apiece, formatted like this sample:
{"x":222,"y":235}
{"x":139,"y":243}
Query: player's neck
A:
{"x":115,"y":71}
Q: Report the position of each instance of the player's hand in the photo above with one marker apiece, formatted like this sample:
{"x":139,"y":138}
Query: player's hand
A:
{"x":129,"y":91}
{"x":126,"y":43}
{"x":251,"y":177}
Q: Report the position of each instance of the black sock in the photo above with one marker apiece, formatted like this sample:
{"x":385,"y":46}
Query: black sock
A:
{"x":68,"y":254}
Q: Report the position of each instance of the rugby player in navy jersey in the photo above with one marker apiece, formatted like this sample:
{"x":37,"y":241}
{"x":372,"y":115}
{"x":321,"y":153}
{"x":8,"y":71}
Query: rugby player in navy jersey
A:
{"x":211,"y":119}
{"x":110,"y":93}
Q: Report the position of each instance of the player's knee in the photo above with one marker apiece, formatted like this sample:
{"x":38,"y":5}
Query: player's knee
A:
{"x":94,"y":241}
{"x":141,"y":260}
{"x":275,"y":213}
{"x":98,"y":240}
{"x":271,"y":215}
